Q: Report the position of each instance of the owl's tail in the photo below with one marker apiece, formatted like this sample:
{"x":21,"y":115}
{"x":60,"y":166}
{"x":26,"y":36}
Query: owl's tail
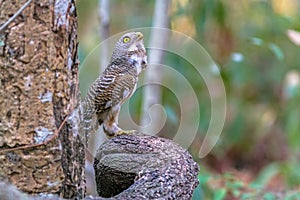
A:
{"x":89,"y":119}
{"x":90,"y":126}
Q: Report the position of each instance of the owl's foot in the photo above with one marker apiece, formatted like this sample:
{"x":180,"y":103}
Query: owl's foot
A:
{"x":123,"y":132}
{"x":115,"y":131}
{"x":111,"y":131}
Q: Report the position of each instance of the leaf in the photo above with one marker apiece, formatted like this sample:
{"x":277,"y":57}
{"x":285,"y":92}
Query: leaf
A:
{"x":269,"y":196}
{"x":277,"y":51}
{"x":292,"y":196}
{"x":256,"y":41}
{"x":220,"y":194}
{"x":247,"y":196}
{"x":236,"y":193}
{"x":266,"y":174}
{"x":292,"y":128}
{"x":203,"y":178}
{"x":198,"y":193}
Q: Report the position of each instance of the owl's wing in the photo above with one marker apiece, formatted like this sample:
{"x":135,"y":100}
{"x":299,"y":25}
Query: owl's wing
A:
{"x":110,"y":91}
{"x":123,"y":88}
{"x":103,"y":95}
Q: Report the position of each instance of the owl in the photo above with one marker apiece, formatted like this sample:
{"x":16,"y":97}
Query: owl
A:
{"x":115,"y":85}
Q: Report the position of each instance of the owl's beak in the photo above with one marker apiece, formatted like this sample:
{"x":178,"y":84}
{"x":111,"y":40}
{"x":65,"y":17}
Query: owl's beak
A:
{"x":140,"y":36}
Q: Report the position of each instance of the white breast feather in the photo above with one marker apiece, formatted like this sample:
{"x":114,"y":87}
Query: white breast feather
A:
{"x":138,"y":62}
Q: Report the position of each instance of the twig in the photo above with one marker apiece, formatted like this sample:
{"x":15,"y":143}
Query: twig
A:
{"x":40,"y":144}
{"x":15,"y":15}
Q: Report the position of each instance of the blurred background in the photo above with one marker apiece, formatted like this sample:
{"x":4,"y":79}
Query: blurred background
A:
{"x":256,"y":44}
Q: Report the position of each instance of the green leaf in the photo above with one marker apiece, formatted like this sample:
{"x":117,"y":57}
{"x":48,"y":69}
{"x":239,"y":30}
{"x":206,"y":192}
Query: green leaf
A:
{"x":220,"y":194}
{"x":203,"y":178}
{"x":266,"y":174}
{"x":198,"y":193}
{"x":235,"y":185}
{"x":277,"y":51}
{"x":256,"y":41}
{"x":293,"y":196}
{"x":292,"y":129}
{"x":269,"y":196}
{"x":236,"y":192}
{"x":290,"y":170}
{"x":247,"y":196}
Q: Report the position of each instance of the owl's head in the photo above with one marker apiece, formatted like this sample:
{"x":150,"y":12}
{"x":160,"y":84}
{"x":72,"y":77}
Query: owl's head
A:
{"x":129,"y":44}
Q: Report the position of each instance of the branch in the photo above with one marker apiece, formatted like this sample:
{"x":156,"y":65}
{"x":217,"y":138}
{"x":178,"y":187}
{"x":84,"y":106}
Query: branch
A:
{"x":15,"y":15}
{"x":55,"y":135}
{"x":144,"y":167}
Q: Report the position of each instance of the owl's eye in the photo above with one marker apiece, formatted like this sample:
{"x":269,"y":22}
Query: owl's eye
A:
{"x":126,"y":39}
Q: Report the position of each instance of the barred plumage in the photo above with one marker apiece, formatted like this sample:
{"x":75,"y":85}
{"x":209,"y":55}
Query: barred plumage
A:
{"x":116,"y":84}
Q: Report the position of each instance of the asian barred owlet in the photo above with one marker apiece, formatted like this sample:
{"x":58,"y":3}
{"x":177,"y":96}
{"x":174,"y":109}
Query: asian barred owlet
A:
{"x":115,"y":85}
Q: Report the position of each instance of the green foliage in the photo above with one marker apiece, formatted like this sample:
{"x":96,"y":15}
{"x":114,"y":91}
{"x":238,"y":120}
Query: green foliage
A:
{"x":219,"y":194}
{"x":198,"y":194}
{"x":266,"y":174}
{"x":229,"y":186}
{"x":293,"y":196}
{"x":269,"y":196}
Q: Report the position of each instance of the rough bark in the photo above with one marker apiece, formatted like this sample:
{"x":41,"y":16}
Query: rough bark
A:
{"x":144,"y":167}
{"x":40,"y":149}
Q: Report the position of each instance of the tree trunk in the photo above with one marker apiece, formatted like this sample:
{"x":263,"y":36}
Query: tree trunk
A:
{"x":104,"y":16}
{"x":40,"y":148}
{"x":152,"y":94}
{"x":140,"y":166}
